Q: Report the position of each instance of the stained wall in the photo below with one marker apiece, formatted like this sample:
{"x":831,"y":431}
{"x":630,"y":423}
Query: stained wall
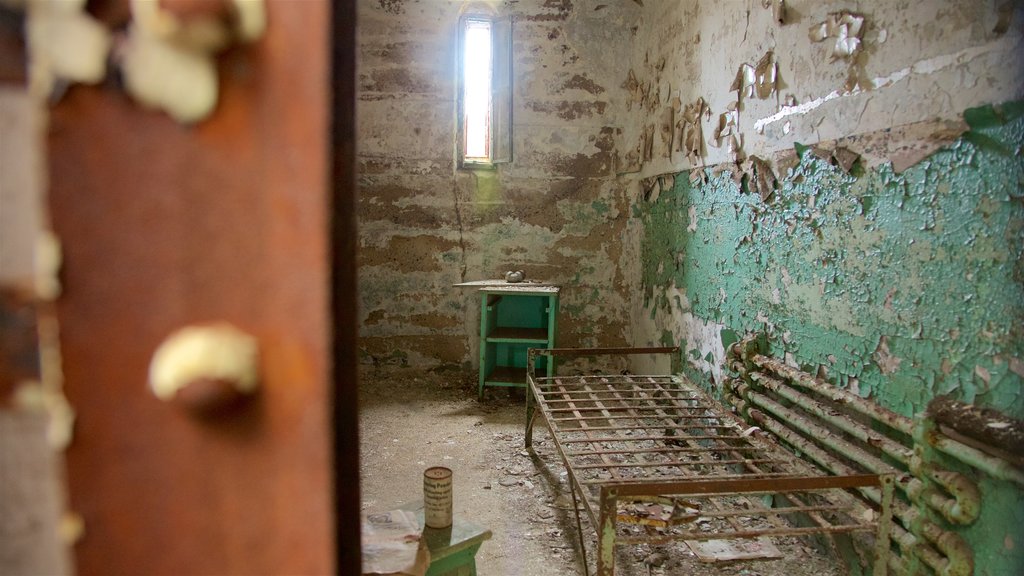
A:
{"x":878,"y":118}
{"x":897,"y":287}
{"x":557,"y":210}
{"x":863,"y":209}
{"x":869,"y":220}
{"x":916,"y":61}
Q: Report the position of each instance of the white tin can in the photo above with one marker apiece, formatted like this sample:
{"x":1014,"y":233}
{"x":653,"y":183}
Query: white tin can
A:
{"x":437,"y":497}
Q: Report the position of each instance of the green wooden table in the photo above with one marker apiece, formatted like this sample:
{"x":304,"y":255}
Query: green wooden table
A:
{"x":453,"y":549}
{"x":513,"y":319}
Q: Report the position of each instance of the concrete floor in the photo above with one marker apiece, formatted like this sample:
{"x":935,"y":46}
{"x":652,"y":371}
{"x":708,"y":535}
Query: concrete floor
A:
{"x":411,"y":420}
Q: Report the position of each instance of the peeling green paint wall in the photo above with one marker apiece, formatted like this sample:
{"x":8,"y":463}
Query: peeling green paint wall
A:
{"x":900,"y":286}
{"x":996,"y":536}
{"x":840,"y":267}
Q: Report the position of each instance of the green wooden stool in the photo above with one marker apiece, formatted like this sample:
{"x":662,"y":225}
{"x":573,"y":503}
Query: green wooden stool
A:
{"x":453,"y":549}
{"x":513,"y":319}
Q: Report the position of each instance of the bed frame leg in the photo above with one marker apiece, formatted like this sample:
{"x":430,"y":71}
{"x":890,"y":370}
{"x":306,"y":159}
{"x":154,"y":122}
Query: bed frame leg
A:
{"x":579,"y":525}
{"x":606,"y":537}
{"x":531,"y":356}
{"x":884,"y":527}
{"x":530,"y":417}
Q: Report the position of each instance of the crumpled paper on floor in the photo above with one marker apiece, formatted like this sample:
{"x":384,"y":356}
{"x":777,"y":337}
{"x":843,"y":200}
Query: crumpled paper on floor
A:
{"x":392,"y":545}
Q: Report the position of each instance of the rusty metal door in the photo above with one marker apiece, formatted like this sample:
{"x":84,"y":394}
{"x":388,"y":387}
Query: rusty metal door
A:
{"x":244,"y":218}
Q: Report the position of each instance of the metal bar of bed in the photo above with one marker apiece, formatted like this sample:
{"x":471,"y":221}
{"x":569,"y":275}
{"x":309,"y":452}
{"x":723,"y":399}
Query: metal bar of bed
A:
{"x":629,"y":440}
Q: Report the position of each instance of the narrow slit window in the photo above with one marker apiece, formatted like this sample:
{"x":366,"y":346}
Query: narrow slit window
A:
{"x":485,"y":90}
{"x":476,"y":95}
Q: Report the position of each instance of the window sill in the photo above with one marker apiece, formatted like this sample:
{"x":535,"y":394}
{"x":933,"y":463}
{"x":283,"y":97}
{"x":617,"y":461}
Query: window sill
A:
{"x":478,"y":166}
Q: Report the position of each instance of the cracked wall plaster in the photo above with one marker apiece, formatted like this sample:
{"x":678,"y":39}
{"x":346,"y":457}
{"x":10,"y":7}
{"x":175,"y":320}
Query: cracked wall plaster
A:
{"x":898,"y":271}
{"x":557,"y":211}
{"x":897,"y":287}
{"x":915,"y":62}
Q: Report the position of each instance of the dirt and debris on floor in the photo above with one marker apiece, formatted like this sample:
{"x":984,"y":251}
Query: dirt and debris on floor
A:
{"x":412,"y":419}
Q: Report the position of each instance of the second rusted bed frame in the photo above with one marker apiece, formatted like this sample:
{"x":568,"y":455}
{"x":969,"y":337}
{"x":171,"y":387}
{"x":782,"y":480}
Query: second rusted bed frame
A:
{"x":630,"y":441}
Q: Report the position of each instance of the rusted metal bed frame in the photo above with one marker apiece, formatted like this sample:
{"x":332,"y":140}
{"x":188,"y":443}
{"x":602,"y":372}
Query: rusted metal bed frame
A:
{"x":626,"y":440}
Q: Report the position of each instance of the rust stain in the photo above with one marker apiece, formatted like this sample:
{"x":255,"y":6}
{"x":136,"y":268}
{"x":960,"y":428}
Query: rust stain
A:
{"x":582,"y":82}
{"x":392,"y":6}
{"x":379,"y":165}
{"x":408,"y":253}
{"x":586,"y":332}
{"x":605,"y":140}
{"x":581,"y":165}
{"x":562,"y":9}
{"x":546,"y":17}
{"x":449,"y":349}
{"x":413,"y":217}
{"x":394,"y":80}
{"x":434,"y":320}
{"x":534,"y":207}
{"x":570,"y":55}
{"x":375,"y":317}
{"x":571,"y":110}
{"x":394,"y":53}
{"x":595,"y":165}
{"x":382,"y":208}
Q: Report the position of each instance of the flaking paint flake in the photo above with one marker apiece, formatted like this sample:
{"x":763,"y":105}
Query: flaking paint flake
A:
{"x":905,"y":285}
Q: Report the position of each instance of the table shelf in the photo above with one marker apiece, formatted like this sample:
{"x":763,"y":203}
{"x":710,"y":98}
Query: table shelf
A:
{"x":513,"y":334}
{"x":514,"y":319}
{"x":506,"y":376}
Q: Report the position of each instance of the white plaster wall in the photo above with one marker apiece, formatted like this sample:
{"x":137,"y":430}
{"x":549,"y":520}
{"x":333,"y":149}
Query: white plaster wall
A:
{"x":926,"y":59}
{"x":557,"y":210}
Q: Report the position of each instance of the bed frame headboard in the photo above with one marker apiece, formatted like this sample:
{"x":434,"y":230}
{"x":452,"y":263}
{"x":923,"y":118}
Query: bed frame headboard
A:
{"x":845,"y":434}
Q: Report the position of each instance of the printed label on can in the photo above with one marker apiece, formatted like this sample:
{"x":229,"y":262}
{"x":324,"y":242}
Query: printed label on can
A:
{"x":437,"y":497}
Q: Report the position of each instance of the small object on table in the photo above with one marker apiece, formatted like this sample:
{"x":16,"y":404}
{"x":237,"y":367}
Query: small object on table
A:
{"x":496,"y":282}
{"x":437,"y":497}
{"x":515,"y":277}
